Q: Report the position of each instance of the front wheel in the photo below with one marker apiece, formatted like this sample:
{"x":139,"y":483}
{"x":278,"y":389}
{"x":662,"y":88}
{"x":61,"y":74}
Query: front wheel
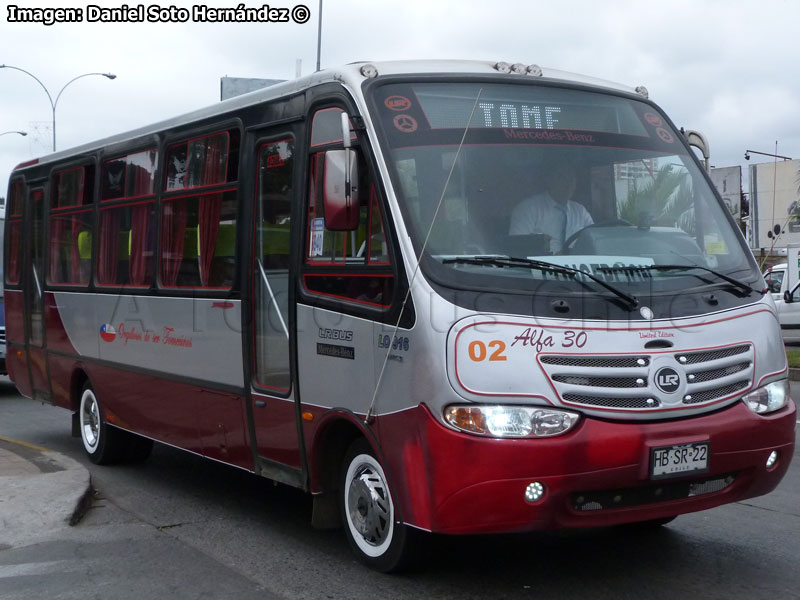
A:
{"x":368,"y":512}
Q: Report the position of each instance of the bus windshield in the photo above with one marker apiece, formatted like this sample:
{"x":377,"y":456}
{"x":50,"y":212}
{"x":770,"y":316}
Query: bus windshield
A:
{"x":573,"y":178}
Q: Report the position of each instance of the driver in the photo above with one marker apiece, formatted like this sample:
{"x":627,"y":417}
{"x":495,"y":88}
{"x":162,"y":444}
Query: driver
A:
{"x":552,"y":211}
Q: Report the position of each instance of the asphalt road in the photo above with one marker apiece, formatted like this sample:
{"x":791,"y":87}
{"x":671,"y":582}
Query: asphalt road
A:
{"x":183,"y":527}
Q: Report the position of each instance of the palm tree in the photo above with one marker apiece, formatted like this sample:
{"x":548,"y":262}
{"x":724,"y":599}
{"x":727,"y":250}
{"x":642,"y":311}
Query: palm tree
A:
{"x":666,"y":199}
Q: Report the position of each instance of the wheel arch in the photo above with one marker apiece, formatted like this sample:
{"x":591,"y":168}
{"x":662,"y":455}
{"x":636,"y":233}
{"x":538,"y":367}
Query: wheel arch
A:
{"x":77,"y":381}
{"x":331,"y":440}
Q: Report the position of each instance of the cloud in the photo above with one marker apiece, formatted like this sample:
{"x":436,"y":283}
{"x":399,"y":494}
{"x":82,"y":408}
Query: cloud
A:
{"x":724,"y":68}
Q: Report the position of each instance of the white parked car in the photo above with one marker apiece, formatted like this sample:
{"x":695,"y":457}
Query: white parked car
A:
{"x":787,"y":301}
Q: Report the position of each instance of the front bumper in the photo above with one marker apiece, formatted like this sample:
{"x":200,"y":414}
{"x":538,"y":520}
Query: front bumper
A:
{"x":450,"y":482}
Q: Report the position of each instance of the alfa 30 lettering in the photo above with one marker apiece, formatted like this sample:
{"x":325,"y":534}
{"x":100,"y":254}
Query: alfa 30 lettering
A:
{"x":541,"y":340}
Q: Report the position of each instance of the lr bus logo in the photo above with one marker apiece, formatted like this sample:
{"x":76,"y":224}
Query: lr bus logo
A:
{"x":668,"y":380}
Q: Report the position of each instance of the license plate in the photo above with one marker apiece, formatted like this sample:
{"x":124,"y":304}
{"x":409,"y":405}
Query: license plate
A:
{"x":673,"y":461}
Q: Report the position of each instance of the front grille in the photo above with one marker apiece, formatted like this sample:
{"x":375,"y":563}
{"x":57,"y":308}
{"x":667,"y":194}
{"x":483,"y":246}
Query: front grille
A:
{"x":662,"y":492}
{"x":612,"y":402}
{"x":629,"y":380}
{"x":692,"y":358}
{"x":713,"y":394}
{"x":608,"y":362}
{"x":713,"y":374}
{"x":610,"y":382}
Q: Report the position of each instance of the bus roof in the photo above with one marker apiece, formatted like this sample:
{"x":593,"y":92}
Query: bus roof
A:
{"x":351,"y":75}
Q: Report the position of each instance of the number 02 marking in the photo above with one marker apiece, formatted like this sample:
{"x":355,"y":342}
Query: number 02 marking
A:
{"x":478,"y":352}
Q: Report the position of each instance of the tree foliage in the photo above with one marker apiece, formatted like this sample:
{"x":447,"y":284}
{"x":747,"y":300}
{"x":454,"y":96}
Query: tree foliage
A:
{"x":663,"y":200}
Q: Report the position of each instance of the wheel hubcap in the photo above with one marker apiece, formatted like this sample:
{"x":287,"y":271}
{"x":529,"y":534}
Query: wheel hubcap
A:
{"x":90,"y":421}
{"x":368,"y":505}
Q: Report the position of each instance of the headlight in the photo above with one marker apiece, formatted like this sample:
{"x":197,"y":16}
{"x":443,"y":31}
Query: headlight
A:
{"x":769,"y":398}
{"x":510,"y":421}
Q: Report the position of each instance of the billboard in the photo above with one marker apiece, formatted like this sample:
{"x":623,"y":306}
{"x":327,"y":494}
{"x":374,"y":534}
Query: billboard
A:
{"x":728,"y":181}
{"x":775,"y":204}
{"x":236,"y":86}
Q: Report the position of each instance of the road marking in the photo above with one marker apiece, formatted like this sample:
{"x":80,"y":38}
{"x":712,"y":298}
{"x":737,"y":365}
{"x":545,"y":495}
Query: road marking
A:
{"x":41,"y":568}
{"x":25,"y":444}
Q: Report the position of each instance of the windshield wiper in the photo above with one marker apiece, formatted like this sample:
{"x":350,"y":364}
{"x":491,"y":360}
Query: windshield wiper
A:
{"x":733,"y":281}
{"x":514,"y":261}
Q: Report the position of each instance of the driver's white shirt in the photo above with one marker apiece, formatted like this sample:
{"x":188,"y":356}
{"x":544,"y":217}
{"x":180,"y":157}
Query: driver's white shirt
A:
{"x":542,"y":214}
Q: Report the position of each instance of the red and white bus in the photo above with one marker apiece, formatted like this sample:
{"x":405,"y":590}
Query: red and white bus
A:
{"x":453,"y":297}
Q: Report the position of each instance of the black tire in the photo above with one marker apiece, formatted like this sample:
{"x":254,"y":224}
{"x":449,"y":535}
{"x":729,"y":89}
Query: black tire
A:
{"x":104,"y":445}
{"x":138,"y":448}
{"x":368,"y":513}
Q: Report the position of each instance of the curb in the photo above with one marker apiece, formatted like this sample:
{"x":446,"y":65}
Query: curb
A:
{"x":83,"y":505}
{"x":35,"y":504}
{"x":794,"y":374}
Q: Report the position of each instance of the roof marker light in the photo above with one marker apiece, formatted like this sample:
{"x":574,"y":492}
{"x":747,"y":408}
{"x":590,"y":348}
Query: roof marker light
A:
{"x":369,"y":71}
{"x":642,"y":91}
{"x":503,"y":67}
{"x":518,"y":68}
{"x":534,"y":70}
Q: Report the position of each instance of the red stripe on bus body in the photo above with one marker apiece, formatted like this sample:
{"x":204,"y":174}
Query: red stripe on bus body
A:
{"x":222,"y":305}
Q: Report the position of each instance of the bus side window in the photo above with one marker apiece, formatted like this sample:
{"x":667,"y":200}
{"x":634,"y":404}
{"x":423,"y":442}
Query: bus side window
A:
{"x":126,"y":238}
{"x":13,"y":254}
{"x":198,"y":213}
{"x":71,"y":226}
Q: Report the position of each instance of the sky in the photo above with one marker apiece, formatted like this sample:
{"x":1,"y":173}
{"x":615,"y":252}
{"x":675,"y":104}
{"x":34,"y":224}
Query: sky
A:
{"x":727,"y":68}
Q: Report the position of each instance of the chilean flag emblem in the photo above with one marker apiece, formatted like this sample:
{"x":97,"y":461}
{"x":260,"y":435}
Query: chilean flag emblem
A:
{"x":108,"y":333}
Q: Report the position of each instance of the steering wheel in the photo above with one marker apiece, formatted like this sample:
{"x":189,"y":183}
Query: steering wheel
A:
{"x":474,"y":249}
{"x":610,"y":223}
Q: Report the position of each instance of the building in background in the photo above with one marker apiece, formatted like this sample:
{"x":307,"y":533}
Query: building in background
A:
{"x":775,"y":206}
{"x":236,"y":86}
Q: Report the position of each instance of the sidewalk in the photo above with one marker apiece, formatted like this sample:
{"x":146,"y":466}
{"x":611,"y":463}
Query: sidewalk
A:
{"x":40,"y":491}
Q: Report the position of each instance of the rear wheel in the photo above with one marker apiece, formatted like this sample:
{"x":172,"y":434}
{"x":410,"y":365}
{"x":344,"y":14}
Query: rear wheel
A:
{"x":104,"y":445}
{"x":139,"y":448}
{"x":369,"y":515}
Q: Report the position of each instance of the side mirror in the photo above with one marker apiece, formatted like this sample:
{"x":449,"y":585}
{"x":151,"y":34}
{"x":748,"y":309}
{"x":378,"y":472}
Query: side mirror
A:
{"x":340,"y":190}
{"x":788,"y":295}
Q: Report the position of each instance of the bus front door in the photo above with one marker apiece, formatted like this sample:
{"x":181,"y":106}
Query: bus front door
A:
{"x":33,"y":311}
{"x":275,"y":414}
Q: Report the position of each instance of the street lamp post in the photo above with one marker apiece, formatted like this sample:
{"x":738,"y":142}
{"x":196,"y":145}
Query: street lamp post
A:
{"x":319,"y":35}
{"x":747,"y":154}
{"x":22,"y":133}
{"x":53,"y":104}
{"x":777,"y":230}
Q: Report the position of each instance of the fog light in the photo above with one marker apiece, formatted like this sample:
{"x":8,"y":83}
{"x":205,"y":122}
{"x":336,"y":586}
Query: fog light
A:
{"x":772,"y":459}
{"x":534,"y":492}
